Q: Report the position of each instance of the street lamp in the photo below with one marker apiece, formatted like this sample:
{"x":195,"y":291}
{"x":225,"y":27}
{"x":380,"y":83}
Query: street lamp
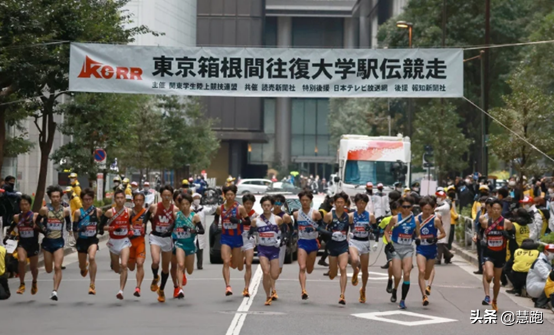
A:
{"x":406,"y":25}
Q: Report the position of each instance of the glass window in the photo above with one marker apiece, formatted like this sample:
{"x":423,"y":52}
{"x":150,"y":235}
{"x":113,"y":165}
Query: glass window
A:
{"x":269,"y":116}
{"x":362,"y":172}
{"x":269,"y":150}
{"x":297,"y":145}
{"x":297,"y":117}
{"x":322,"y":116}
{"x":309,"y":145}
{"x":256,"y":155}
{"x":310,"y":118}
{"x":323,"y":146}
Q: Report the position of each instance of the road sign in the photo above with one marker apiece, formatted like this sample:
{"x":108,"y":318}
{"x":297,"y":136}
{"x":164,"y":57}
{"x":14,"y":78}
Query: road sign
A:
{"x":100,"y":155}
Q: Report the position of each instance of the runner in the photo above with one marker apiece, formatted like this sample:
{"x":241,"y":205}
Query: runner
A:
{"x":163,"y":219}
{"x":233,"y":217}
{"x":137,"y":252}
{"x":55,"y":215}
{"x":28,"y":246}
{"x":359,"y":242}
{"x":267,"y":226}
{"x":388,"y":253}
{"x":306,"y":224}
{"x":401,"y":247}
{"x":248,"y":241}
{"x":119,"y":218}
{"x":187,"y":225}
{"x":426,"y":250}
{"x":86,"y":227}
{"x":338,"y":223}
{"x":494,"y":249}
{"x":280,"y":203}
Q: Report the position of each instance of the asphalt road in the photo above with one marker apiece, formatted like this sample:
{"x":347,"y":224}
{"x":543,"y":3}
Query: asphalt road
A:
{"x":206,"y":310}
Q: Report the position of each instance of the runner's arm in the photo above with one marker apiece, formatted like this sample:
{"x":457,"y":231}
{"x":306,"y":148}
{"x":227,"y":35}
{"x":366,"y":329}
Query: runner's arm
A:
{"x":252,"y":229}
{"x":388,"y":229}
{"x":67,"y":215}
{"x":322,"y":229}
{"x":76,"y":218}
{"x":199,"y":228}
{"x":483,"y":222}
{"x":40,"y":219}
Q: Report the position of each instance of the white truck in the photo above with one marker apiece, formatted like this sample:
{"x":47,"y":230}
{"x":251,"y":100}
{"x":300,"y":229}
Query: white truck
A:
{"x":363,"y":159}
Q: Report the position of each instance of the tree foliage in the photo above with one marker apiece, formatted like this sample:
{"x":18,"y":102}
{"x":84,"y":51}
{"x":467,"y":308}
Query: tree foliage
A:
{"x":528,"y":112}
{"x":35,"y":54}
{"x":438,"y":125}
{"x":365,"y":116}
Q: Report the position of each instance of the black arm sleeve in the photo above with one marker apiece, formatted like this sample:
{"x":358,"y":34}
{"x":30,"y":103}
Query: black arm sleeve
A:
{"x":216,"y":218}
{"x":322,"y":229}
{"x":251,"y":231}
{"x":68,"y":223}
{"x":246,"y":221}
{"x":200,"y":229}
{"x":147,"y":217}
{"x":41,"y":223}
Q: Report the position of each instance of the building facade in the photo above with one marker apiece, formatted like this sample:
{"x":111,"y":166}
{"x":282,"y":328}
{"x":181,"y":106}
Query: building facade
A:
{"x":258,"y":133}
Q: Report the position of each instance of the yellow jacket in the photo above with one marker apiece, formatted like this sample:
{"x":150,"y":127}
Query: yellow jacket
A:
{"x":128,"y":190}
{"x":476,"y":207}
{"x":2,"y":260}
{"x":523,"y":259}
{"x":75,"y":203}
{"x":453,"y":214}
{"x":76,"y":189}
{"x":549,"y":287}
{"x":384,"y":223}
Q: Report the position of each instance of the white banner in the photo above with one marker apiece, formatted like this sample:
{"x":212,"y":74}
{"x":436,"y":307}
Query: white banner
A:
{"x":258,"y":72}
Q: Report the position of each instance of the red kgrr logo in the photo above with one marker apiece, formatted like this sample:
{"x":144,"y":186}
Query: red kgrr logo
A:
{"x":92,"y":68}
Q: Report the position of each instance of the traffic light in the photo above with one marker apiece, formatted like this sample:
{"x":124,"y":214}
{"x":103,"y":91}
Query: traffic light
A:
{"x":428,"y":157}
{"x":399,"y":171}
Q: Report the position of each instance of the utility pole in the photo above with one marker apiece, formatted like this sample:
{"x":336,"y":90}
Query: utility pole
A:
{"x":486,"y":83}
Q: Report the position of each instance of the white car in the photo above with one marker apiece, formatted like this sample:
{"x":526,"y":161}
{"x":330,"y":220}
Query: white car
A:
{"x":254,"y":186}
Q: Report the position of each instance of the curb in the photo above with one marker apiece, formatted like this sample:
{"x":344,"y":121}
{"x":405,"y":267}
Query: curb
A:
{"x":465,"y":254}
{"x":67,"y":251}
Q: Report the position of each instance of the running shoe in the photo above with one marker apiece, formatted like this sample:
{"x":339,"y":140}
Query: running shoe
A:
{"x":274,"y":295}
{"x":154,"y":286}
{"x":181,"y":294}
{"x":54,"y":296}
{"x":245,"y":292}
{"x":268,"y":301}
{"x":137,"y":292}
{"x":362,"y":296}
{"x":119,"y":295}
{"x":184,"y":279}
{"x":342,"y":301}
{"x":355,"y":278}
{"x":389,"y":286}
{"x":34,"y":288}
{"x":228,"y":291}
{"x":402,"y":304}
{"x":161,"y":296}
{"x":428,"y":290}
{"x":495,"y":305}
{"x":304,"y":295}
{"x":486,"y":301}
{"x":393,"y":296}
{"x":176,"y":292}
{"x":21,"y":288}
{"x":92,"y":289}
{"x":425,"y":301}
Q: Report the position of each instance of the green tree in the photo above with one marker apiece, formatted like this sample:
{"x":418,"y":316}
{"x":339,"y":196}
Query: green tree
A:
{"x":438,"y":125}
{"x":528,"y":111}
{"x":368,"y":116}
{"x":193,"y":141}
{"x":39,"y":72}
{"x":511,"y":21}
{"x":94,"y":121}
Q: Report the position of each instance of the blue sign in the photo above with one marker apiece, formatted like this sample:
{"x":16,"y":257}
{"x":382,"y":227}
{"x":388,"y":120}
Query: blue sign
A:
{"x":99,"y":155}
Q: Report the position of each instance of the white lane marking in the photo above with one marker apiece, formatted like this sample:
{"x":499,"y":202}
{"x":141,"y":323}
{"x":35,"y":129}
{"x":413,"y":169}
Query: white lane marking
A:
{"x":428,"y":319}
{"x":372,"y":275}
{"x":240,"y":315}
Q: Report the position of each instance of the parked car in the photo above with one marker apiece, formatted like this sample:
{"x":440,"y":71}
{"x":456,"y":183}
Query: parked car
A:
{"x":254,"y":186}
{"x":281,"y":187}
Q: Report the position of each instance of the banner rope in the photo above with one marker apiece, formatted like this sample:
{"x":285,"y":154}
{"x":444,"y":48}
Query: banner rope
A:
{"x":510,"y":130}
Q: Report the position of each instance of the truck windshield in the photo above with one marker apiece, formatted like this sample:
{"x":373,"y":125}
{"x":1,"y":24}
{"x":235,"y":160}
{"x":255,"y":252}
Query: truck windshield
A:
{"x":362,"y":172}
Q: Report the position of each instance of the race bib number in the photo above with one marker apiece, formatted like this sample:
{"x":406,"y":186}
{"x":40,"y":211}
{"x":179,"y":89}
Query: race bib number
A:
{"x":162,"y":228}
{"x":307,"y":232}
{"x":404,"y":239}
{"x":361,"y":231}
{"x":338,"y":236}
{"x":495,"y":241}
{"x":121,"y":232}
{"x":181,"y":233}
{"x":424,"y":239}
{"x":56,"y":225}
{"x":229,"y":225}
{"x":26,"y":232}
{"x":267,"y":238}
{"x":90,"y":231}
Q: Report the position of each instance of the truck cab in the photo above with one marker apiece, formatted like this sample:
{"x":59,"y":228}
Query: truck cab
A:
{"x":376,"y":159}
